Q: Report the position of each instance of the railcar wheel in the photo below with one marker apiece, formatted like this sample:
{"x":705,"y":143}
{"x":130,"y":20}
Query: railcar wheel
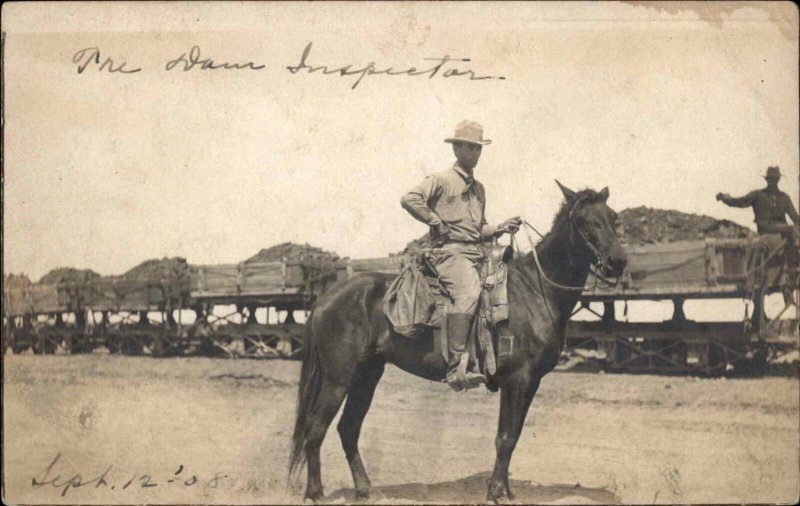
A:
{"x":44,"y":346}
{"x":168,"y":344}
{"x":112,"y":343}
{"x":755,"y":363}
{"x":77,"y":344}
{"x":131,"y":346}
{"x":157,"y":346}
{"x":717,"y":360}
{"x":18,"y":347}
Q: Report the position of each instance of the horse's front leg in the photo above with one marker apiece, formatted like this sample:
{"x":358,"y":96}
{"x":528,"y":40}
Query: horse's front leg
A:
{"x":515,"y":399}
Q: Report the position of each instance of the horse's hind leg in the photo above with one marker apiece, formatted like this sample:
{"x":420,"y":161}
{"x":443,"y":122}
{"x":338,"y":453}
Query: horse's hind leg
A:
{"x":328,"y":402}
{"x":359,"y":398}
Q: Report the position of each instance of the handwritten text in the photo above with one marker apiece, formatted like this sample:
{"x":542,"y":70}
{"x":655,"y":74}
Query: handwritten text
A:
{"x":370,"y":69}
{"x":64,"y":482}
{"x":194,"y":60}
{"x":443,"y":66}
{"x":89,"y":55}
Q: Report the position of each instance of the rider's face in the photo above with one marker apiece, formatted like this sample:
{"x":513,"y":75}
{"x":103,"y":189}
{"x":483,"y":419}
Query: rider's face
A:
{"x":772,"y":182}
{"x":467,"y":154}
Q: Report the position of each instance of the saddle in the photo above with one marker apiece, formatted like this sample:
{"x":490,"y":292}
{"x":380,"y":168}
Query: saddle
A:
{"x":416,"y":304}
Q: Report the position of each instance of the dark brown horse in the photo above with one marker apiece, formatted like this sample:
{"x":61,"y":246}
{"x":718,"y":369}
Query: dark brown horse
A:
{"x":348,"y":341}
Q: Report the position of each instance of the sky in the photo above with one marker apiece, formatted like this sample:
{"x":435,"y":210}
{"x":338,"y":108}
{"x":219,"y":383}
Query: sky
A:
{"x":666,"y":105}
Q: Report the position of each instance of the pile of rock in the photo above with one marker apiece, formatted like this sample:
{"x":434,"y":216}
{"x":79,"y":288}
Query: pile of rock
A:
{"x":16,"y":280}
{"x":644,"y":225}
{"x":68,"y":275}
{"x":292,"y":253}
{"x":154,"y":269}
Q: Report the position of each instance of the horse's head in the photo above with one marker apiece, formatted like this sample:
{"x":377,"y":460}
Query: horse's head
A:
{"x":593,"y":230}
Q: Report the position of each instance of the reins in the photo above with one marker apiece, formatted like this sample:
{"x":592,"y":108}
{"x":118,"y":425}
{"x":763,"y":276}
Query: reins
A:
{"x":573,"y":226}
{"x":539,"y":265}
{"x":540,"y":270}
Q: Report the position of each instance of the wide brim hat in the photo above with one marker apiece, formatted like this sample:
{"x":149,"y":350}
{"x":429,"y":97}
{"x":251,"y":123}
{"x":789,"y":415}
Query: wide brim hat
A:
{"x":470,"y":132}
{"x":773,"y":172}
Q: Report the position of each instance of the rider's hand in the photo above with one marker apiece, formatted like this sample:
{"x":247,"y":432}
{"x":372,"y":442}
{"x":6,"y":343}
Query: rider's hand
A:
{"x":442,"y":232}
{"x":511,"y":225}
{"x":722,"y":196}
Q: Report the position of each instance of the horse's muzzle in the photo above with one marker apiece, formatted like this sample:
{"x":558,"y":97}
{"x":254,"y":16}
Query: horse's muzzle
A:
{"x":614,"y":265}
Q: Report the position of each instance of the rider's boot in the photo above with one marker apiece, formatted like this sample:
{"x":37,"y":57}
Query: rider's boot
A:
{"x":458,"y":377}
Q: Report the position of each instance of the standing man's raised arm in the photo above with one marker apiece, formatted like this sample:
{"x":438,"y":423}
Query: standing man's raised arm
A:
{"x":745,"y":201}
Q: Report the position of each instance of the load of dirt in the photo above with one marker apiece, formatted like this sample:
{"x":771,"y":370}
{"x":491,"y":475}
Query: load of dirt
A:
{"x":291,"y":253}
{"x":68,"y":275}
{"x":16,"y":280}
{"x":644,"y":225}
{"x":165,"y":268}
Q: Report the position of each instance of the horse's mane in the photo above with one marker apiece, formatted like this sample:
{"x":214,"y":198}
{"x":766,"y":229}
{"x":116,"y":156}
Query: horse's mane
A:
{"x":587,"y":194}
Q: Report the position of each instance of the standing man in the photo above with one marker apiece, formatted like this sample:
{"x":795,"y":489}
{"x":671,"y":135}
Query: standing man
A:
{"x":452,"y":203}
{"x":770,"y":206}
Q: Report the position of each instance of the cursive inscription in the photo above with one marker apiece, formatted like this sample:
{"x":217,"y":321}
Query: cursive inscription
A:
{"x":52,"y":478}
{"x":370,"y":69}
{"x":76,"y":481}
{"x":187,"y":63}
{"x":443,"y":66}
{"x":91,"y":55}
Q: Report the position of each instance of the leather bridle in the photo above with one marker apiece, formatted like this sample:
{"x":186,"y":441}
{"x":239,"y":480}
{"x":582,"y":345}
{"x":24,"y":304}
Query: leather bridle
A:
{"x":599,"y":260}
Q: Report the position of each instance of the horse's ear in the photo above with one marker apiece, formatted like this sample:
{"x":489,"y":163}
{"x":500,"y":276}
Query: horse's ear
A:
{"x":568,"y":194}
{"x":604,"y":194}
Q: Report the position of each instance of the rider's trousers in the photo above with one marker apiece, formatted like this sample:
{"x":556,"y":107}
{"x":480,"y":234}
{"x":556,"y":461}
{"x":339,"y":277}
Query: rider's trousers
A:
{"x":459,"y":266}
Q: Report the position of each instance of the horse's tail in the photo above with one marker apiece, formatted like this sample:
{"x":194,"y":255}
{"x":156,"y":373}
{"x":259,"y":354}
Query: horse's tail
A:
{"x":307,"y":395}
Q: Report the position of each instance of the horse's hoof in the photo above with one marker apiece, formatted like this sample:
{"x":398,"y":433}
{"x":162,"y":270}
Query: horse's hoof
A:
{"x":495,"y":494}
{"x":314,"y":496}
{"x":496,"y":500}
{"x":362,"y":494}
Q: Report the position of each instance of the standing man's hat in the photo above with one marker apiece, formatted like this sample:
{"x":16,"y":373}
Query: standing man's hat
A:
{"x":469,"y":131}
{"x":773,"y":172}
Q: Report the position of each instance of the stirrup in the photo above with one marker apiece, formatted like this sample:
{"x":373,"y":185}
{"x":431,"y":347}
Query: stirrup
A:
{"x":461,"y":379}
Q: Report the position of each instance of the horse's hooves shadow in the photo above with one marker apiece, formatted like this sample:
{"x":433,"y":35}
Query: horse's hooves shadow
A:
{"x":472,"y":490}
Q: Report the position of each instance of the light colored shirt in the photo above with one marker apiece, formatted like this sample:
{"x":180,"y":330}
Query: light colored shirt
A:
{"x":452,"y":197}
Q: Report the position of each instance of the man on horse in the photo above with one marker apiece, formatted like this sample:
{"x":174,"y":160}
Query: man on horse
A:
{"x":770,"y":206}
{"x":452,"y":203}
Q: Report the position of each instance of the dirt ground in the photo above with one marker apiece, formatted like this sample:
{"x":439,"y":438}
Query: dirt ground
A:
{"x":161,"y":430}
